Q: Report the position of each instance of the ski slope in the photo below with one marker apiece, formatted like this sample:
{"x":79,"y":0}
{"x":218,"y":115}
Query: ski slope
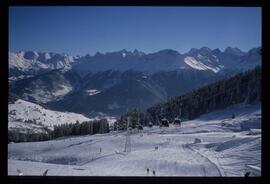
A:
{"x":224,"y":147}
{"x":26,"y":116}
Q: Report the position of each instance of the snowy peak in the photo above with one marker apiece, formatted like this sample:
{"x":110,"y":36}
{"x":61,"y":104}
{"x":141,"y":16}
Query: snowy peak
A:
{"x":26,"y":64}
{"x":216,"y":60}
{"x":31,"y":55}
{"x":197,"y":64}
{"x":138,"y":53}
{"x":44,"y":56}
{"x":205,"y":49}
{"x":168,"y":52}
{"x":234,"y":51}
{"x":251,"y":59}
{"x":202,"y":51}
{"x":192,"y":51}
{"x":203,"y":59}
{"x":255,"y":51}
{"x":216,"y":51}
{"x":31,"y":63}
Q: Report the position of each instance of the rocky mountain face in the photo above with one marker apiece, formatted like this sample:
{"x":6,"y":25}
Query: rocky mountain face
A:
{"x":113,"y":83}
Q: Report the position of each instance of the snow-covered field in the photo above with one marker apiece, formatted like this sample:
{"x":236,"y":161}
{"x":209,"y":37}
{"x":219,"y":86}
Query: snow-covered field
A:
{"x":29,"y":117}
{"x":224,"y":147}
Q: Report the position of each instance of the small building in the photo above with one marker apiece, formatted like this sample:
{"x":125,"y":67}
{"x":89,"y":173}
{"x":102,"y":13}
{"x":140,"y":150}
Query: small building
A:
{"x":164,"y":123}
{"x":177,"y":122}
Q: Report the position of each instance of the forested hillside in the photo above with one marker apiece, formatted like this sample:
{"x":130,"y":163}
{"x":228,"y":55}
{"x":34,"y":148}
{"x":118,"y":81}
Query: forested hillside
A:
{"x":241,"y":88}
{"x":68,"y":129}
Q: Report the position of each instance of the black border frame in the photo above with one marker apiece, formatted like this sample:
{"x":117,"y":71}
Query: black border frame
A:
{"x":91,"y":179}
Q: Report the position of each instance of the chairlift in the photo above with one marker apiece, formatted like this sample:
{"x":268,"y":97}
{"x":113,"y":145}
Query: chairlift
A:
{"x":139,"y":127}
{"x":164,"y":123}
{"x":177,"y":122}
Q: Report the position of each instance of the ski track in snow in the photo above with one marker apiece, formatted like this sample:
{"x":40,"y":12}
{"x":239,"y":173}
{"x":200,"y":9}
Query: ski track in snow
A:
{"x":221,"y":152}
{"x":220,"y":172}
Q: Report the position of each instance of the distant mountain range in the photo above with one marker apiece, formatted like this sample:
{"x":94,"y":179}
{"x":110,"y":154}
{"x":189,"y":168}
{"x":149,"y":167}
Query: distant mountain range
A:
{"x":115,"y":82}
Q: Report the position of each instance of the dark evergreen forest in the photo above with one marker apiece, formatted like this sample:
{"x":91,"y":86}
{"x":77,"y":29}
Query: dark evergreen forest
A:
{"x":84,"y":128}
{"x":242,"y":88}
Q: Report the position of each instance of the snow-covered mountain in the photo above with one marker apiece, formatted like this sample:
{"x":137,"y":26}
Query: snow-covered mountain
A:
{"x":250,"y":59}
{"x":30,"y":63}
{"x":114,"y":92}
{"x":164,"y":60}
{"x":113,"y":82}
{"x":25,"y":64}
{"x":218,"y":61}
{"x":203,"y":59}
{"x":234,"y":51}
{"x":50,"y":86}
{"x":28,"y":117}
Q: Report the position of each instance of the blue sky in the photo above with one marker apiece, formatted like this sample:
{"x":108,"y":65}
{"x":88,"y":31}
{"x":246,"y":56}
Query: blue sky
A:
{"x":86,"y":30}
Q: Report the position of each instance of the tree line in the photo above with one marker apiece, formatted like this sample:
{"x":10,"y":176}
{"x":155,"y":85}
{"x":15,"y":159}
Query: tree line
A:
{"x":67,"y":129}
{"x":244,"y":87}
{"x":84,"y":128}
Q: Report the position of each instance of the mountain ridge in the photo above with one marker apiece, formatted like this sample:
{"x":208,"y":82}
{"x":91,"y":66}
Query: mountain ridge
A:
{"x":30,"y":63}
{"x":106,"y":83}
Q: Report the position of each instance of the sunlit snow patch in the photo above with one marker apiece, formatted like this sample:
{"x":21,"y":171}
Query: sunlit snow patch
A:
{"x":91,"y":92}
{"x":63,"y":90}
{"x":192,"y":62}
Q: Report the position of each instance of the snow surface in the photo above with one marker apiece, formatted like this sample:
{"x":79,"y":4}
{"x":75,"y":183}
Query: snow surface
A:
{"x":92,"y":92}
{"x":41,"y":94}
{"x":22,"y":111}
{"x":192,"y":62}
{"x":17,"y":61}
{"x":225,"y":149}
{"x":31,"y":63}
{"x":62,"y":91}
